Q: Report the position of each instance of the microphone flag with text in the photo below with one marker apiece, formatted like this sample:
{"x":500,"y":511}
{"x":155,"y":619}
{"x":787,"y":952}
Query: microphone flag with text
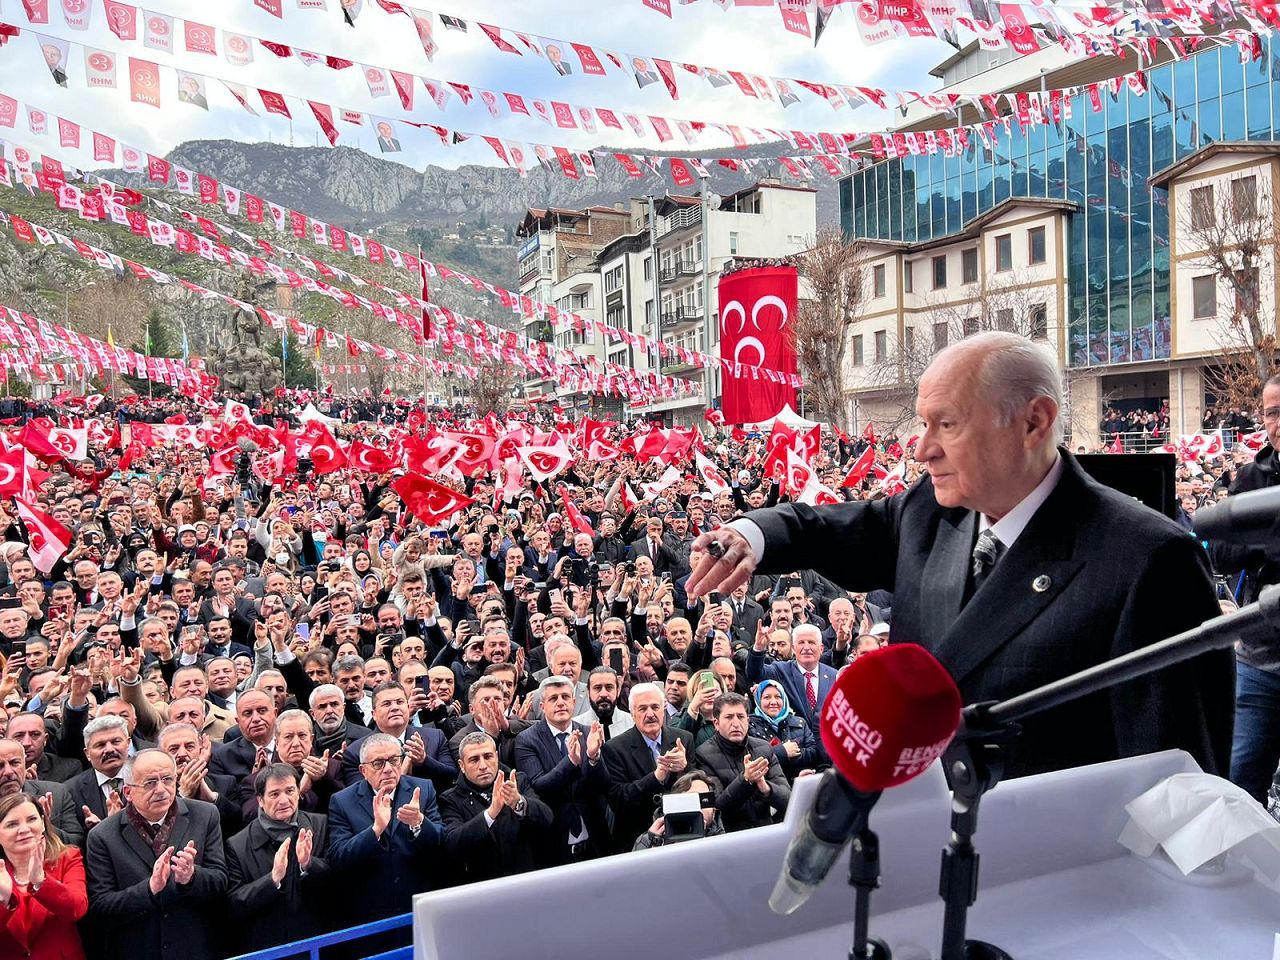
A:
{"x":890,"y":715}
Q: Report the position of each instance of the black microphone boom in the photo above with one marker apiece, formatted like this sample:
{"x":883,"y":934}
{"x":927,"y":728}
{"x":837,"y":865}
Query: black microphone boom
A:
{"x":1252,"y":519}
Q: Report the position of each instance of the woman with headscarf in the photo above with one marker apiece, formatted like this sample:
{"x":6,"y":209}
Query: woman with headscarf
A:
{"x":773,"y":720}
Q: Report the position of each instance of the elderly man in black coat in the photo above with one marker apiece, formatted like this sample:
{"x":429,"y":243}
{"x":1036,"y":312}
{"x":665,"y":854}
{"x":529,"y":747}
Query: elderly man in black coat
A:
{"x":156,"y":871}
{"x":491,"y":817}
{"x":277,"y":866}
{"x":1014,"y":568}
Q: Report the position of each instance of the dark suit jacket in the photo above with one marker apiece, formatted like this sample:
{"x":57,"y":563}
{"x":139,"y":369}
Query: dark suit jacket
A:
{"x":85,"y":792}
{"x":664,"y":559}
{"x":233,"y":758}
{"x":438,"y":766}
{"x":393,"y":867}
{"x":266,"y":916}
{"x":483,"y":852}
{"x":789,"y":674}
{"x":64,"y":818}
{"x":177,"y":923}
{"x":745,"y":621}
{"x":633,"y":785}
{"x":1094,"y":575}
{"x":57,"y":769}
{"x":560,"y":784}
{"x":506,"y":741}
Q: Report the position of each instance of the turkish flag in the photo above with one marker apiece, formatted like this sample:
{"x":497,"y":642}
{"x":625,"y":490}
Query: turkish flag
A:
{"x":13,"y":465}
{"x":861,"y":467}
{"x":756,"y":312}
{"x":434,"y":454}
{"x":798,"y":474}
{"x":365,"y":456}
{"x":781,"y":439}
{"x":477,"y":451}
{"x":710,"y":475}
{"x":429,"y":501}
{"x":326,"y":455}
{"x":224,"y":461}
{"x":47,"y":539}
{"x":38,"y":443}
{"x":574,"y":515}
{"x":545,"y":462}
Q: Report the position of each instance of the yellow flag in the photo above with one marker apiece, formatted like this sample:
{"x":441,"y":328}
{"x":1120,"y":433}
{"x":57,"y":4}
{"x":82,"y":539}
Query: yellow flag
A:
{"x":111,"y":340}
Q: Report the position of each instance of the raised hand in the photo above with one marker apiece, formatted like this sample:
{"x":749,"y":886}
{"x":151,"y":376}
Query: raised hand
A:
{"x":115,"y":803}
{"x":510,"y":791}
{"x":498,"y":800}
{"x":410,"y":814}
{"x":184,"y":864}
{"x":573,"y":747}
{"x":595,"y":741}
{"x":280,"y":862}
{"x":306,"y":843}
{"x":382,"y":811}
{"x":91,"y":819}
{"x":726,"y":572}
{"x":161,"y":871}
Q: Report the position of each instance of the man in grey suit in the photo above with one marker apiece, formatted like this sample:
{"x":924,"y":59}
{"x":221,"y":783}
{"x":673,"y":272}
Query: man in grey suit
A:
{"x":156,"y":869}
{"x":54,"y":796}
{"x":1014,"y":568}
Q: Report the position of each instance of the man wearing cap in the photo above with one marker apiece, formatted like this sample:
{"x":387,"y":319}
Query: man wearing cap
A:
{"x":679,"y":540}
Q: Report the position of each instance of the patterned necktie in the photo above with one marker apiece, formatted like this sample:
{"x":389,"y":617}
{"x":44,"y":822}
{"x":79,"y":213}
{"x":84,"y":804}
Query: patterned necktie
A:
{"x":985,"y":554}
{"x":810,"y":691}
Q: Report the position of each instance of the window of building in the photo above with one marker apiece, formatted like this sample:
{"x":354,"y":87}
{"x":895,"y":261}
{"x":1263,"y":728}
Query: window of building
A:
{"x":1038,"y":322}
{"x":910,"y":341}
{"x":1004,"y":252}
{"x":1204,"y":296}
{"x":877,"y":280}
{"x":969,"y":266}
{"x":1244,"y":198}
{"x":939,"y":336}
{"x":908,"y":276}
{"x":1035,"y":246}
{"x":970,"y":326}
{"x":855,"y":349}
{"x":1004,"y":320}
{"x":882,"y":346}
{"x":1246,"y":291}
{"x":613,"y":280}
{"x":1202,"y":213}
{"x":939,"y":273}
{"x":733,"y":244}
{"x":648,"y":268}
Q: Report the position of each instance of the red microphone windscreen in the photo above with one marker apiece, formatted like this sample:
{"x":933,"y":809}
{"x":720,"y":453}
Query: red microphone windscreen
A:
{"x":891,"y":713}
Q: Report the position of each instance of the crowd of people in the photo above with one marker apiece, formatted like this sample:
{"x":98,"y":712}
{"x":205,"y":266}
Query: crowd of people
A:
{"x":298,"y":705}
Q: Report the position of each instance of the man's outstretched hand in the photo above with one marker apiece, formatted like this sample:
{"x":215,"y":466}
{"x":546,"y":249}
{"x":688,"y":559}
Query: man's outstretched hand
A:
{"x":725,"y":573}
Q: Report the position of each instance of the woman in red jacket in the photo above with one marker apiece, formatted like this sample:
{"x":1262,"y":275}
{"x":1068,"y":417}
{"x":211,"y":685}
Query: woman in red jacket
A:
{"x":42,"y":890}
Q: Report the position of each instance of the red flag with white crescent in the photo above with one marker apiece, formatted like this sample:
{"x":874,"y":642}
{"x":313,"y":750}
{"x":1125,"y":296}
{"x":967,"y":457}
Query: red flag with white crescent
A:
{"x":861,"y":467}
{"x":47,"y":539}
{"x":429,"y":501}
{"x":13,"y":466}
{"x":371,"y":459}
{"x":545,"y":462}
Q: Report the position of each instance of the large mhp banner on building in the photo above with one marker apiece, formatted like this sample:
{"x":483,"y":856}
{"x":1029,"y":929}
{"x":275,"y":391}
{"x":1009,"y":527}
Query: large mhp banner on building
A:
{"x":757,"y":342}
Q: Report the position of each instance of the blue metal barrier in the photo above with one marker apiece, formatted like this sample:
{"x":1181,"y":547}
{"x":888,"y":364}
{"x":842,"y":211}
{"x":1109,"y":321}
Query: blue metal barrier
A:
{"x":313,"y":945}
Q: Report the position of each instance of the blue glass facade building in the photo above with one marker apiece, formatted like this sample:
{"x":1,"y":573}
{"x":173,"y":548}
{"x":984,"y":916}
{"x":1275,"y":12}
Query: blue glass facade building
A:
{"x":1118,"y":307}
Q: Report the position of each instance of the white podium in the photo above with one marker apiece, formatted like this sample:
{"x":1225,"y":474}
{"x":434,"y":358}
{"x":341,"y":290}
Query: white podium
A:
{"x":1054,"y":885}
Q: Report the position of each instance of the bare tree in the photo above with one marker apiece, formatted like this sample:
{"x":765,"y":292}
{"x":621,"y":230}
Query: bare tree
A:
{"x":1011,"y":304}
{"x":831,"y":304}
{"x":1234,"y":242}
{"x":491,"y":389}
{"x":120,"y":306}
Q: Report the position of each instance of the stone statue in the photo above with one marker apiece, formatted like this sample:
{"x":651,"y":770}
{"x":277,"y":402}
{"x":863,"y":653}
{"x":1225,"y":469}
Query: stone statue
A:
{"x":241,"y":361}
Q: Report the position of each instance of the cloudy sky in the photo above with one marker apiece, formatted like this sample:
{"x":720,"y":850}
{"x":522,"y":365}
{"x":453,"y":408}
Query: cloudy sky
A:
{"x":747,"y":39}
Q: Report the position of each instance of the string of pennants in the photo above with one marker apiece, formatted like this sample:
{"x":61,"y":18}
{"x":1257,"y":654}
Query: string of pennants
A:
{"x":52,"y":177}
{"x":30,"y":343}
{"x":339,"y":369}
{"x":619,"y":381}
{"x":159,"y":32}
{"x":1084,"y":30}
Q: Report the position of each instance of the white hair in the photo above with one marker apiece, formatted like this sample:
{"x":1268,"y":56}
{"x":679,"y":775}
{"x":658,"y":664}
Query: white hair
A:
{"x":808,"y":628}
{"x":1013,"y":371}
{"x":643,"y":688}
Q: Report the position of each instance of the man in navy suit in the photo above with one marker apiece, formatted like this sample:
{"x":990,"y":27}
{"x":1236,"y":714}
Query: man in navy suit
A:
{"x":426,"y":748}
{"x":387,"y":831}
{"x":806,"y":679}
{"x":563,"y":763}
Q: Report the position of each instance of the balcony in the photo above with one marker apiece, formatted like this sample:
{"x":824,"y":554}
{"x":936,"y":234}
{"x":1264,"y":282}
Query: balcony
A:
{"x":682,"y":219}
{"x":678,"y":269}
{"x":678,"y":368}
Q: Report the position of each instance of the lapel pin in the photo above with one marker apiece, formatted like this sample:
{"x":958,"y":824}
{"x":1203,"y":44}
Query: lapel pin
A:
{"x":1041,"y":583}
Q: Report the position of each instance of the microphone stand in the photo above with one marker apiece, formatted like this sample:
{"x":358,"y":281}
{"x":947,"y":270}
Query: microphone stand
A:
{"x":974,"y":761}
{"x":864,"y":876}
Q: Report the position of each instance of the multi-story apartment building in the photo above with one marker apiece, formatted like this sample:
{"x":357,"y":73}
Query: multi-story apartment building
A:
{"x":1082,"y":231}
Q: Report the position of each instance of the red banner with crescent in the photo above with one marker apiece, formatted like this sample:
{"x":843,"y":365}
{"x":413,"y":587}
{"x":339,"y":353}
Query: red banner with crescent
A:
{"x":757,"y":318}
